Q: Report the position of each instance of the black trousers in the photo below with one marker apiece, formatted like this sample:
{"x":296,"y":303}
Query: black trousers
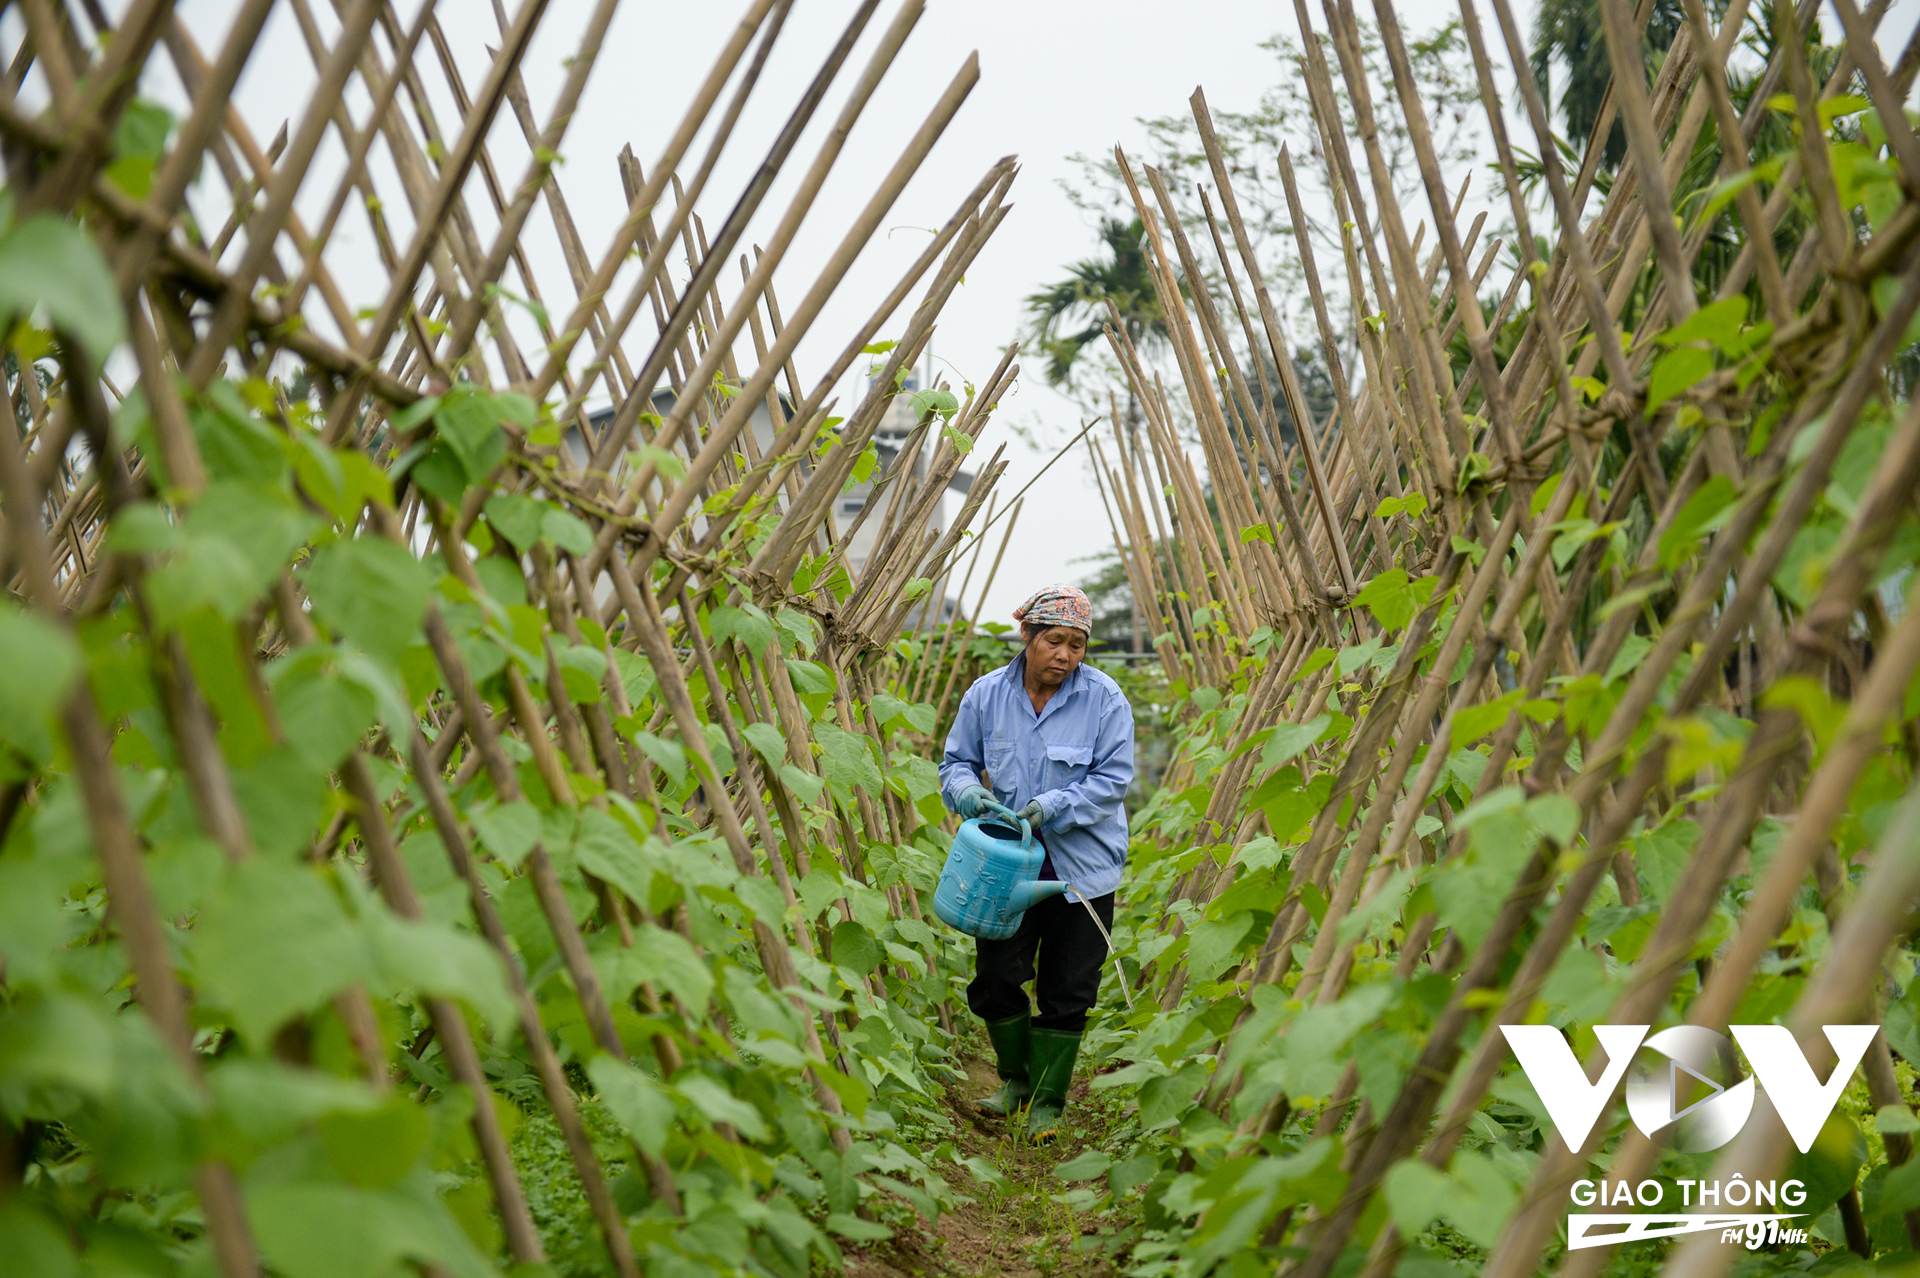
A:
{"x":1059,"y":941}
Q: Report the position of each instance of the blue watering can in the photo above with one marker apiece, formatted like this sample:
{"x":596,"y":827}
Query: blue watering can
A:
{"x":991,"y":877}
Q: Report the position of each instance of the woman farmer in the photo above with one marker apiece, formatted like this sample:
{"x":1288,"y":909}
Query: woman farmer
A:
{"x":1051,"y":739}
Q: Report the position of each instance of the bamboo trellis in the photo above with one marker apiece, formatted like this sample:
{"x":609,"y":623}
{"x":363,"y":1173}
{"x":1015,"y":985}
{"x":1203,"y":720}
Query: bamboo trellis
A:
{"x":1465,"y":472}
{"x":681,"y":511}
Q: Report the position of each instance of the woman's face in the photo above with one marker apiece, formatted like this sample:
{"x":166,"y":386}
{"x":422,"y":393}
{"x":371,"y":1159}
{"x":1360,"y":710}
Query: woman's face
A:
{"x":1055,"y":653}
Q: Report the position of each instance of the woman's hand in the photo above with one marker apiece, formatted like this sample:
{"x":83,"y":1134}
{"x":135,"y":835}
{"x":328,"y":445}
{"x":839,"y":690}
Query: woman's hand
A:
{"x":1033,"y":814}
{"x":972,"y":800}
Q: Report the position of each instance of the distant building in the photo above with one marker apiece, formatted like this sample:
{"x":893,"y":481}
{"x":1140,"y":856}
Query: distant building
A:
{"x":895,"y":427}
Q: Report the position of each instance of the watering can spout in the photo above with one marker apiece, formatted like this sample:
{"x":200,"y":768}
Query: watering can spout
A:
{"x":1030,"y":893}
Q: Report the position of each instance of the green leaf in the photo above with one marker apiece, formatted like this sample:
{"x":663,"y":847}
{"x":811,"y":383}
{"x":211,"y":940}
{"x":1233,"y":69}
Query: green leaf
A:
{"x":44,"y":661}
{"x":32,"y":1244}
{"x":531,"y":307}
{"x":566,"y":530}
{"x":375,"y":1150}
{"x":415,"y":413}
{"x":1258,"y":532}
{"x":139,"y":140}
{"x":846,"y":760}
{"x":1165,"y":1100}
{"x":1356,"y":657}
{"x":711,"y":1097}
{"x":516,"y":517}
{"x":45,"y":261}
{"x":1416,"y":1194}
{"x":1477,"y":721}
{"x":942,"y":402}
{"x":268,"y":1101}
{"x":272,"y":942}
{"x":581,"y":670}
{"x":1543,"y":495}
{"x":670,"y":757}
{"x":371,"y":590}
{"x":745,"y":623}
{"x":767,"y":743}
{"x":886,"y":709}
{"x":1215,"y":943}
{"x":316,"y":1229}
{"x":1633,"y":598}
{"x":1289,"y":739}
{"x":857,"y":1230}
{"x":324,"y":716}
{"x":1808,"y":698}
{"x":986,"y":1173}
{"x":674,"y":965}
{"x":234,"y":443}
{"x":1090,"y":1165}
{"x":240,"y":536}
{"x":438,"y":472}
{"x":1677,"y":543}
{"x":468,"y":422}
{"x":855,"y":948}
{"x":641,"y":1106}
{"x":811,"y":683}
{"x":636,"y":676}
{"x":342,"y":480}
{"x":606,"y":850}
{"x":438,"y":959}
{"x":1675,"y":372}
{"x":1895,"y":1120}
{"x":1388,"y":599}
{"x":1627,"y":660}
{"x":800,"y":630}
{"x":514,"y":407}
{"x":1413,"y":505}
{"x":1886,"y":291}
{"x":508,"y":830}
{"x":59,"y":1041}
{"x":1474,"y":468}
{"x":1556,"y":816}
{"x":1319,"y":659}
{"x":1717,"y":322}
{"x":1723,"y":192}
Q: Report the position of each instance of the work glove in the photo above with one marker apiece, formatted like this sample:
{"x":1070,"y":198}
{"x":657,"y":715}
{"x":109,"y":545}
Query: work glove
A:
{"x":1033,"y":814}
{"x":972,"y":800}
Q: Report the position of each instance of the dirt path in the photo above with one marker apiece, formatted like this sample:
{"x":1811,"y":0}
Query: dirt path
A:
{"x":1019,"y":1231}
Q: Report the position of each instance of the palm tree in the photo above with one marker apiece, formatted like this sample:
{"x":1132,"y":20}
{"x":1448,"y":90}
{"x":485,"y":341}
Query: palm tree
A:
{"x":1571,"y":30}
{"x":1120,"y":277}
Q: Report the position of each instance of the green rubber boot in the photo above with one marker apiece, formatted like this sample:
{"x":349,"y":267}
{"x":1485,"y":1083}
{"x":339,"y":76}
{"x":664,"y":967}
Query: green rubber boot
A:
{"x":1010,"y":1056}
{"x":1051,"y":1054}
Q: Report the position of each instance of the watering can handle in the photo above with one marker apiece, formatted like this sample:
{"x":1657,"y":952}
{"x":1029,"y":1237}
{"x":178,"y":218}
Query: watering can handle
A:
{"x":1026,"y":831}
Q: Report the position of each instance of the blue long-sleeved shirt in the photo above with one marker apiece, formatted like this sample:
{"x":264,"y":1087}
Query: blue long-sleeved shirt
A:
{"x":1076,"y":757}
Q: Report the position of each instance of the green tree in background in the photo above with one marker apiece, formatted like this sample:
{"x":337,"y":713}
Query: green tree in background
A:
{"x":1066,"y":316}
{"x":1250,"y":143}
{"x":1570,"y":31}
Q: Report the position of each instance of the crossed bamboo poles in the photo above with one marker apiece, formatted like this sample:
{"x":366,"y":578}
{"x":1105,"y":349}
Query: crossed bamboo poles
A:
{"x":693,"y":490}
{"x":1405,"y":430}
{"x":1408,"y":430}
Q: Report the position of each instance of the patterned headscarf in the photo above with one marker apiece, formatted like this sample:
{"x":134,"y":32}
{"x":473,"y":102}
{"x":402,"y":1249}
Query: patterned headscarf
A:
{"x":1057,"y":606}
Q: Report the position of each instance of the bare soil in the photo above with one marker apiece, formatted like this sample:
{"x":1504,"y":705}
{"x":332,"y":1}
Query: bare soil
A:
{"x":1021,"y":1231}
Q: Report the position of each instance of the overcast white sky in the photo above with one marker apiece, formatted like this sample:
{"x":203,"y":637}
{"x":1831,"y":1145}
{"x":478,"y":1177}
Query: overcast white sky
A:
{"x":1057,"y":77}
